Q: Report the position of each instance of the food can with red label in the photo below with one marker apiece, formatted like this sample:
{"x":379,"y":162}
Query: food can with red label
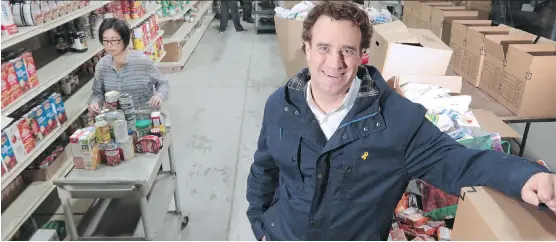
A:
{"x":112,"y":154}
{"x":127,"y":151}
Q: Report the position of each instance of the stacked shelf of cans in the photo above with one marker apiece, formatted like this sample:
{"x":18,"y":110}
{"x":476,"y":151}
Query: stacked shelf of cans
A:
{"x":171,"y":7}
{"x":117,"y":133}
{"x":126,"y":9}
{"x":147,"y":38}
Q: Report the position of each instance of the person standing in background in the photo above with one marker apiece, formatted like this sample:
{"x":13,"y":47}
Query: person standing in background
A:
{"x":247,"y":10}
{"x":229,"y":7}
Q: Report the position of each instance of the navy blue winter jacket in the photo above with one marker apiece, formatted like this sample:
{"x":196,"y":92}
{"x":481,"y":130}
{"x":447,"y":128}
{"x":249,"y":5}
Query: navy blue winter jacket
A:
{"x":303,"y":187}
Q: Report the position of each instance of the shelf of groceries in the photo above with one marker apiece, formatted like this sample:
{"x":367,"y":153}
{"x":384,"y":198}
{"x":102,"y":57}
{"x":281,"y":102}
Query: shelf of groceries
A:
{"x":48,"y":63}
{"x":473,"y":78}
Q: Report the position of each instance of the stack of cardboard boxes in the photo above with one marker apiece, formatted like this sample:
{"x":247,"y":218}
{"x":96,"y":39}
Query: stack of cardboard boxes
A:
{"x":481,"y":53}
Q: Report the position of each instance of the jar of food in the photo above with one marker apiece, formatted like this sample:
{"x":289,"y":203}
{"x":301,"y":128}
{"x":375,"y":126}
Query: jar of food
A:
{"x":102,"y":131}
{"x":143,"y":127}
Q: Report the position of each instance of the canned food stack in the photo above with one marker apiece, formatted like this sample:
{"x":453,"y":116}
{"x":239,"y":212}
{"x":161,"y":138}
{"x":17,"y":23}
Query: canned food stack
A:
{"x":126,"y":9}
{"x":145,"y":32}
{"x":171,"y":8}
{"x":95,"y":20}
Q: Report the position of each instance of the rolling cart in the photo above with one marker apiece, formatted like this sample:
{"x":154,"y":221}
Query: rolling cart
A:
{"x":264,"y":15}
{"x":133,"y":198}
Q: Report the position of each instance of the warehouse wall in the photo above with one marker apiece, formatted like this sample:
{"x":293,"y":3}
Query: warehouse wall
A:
{"x":541,"y":142}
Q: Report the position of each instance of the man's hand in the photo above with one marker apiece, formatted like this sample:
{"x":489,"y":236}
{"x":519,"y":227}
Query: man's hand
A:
{"x":540,"y":188}
{"x":155,"y":101}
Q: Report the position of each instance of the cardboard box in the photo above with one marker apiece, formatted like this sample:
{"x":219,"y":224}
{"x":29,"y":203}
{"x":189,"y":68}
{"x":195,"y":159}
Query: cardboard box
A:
{"x":527,"y":86}
{"x":412,"y":20}
{"x":441,"y":22}
{"x":173,"y":52}
{"x":288,"y":33}
{"x":457,"y":40}
{"x":496,"y":47}
{"x":486,"y":119}
{"x":397,"y":50}
{"x":487,"y":215}
{"x":484,"y":8}
{"x":50,"y":171}
{"x":426,"y":9}
{"x":473,"y":54}
{"x":428,"y":24}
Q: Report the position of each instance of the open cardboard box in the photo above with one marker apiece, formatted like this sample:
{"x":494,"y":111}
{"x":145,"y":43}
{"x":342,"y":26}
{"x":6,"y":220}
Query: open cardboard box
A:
{"x":426,"y":11}
{"x":457,"y":40}
{"x":397,"y":50}
{"x":474,"y":52}
{"x":528,"y":83}
{"x":428,"y":23}
{"x":288,"y":33}
{"x":496,"y":48}
{"x":441,"y":21}
{"x":486,"y":119}
{"x":488,"y":215}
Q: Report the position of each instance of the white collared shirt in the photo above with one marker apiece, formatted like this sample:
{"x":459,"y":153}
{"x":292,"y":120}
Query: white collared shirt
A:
{"x":329,"y":122}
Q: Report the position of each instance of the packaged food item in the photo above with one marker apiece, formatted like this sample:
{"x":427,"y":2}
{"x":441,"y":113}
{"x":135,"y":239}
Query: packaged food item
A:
{"x":102,"y":130}
{"x":75,"y":148}
{"x":112,"y":154}
{"x":47,"y":14}
{"x":444,"y":234}
{"x":6,"y":96}
{"x":138,"y":38}
{"x":119,"y":128}
{"x":58,"y":106}
{"x":413,"y":217}
{"x":158,"y":121}
{"x":396,"y":233}
{"x":148,"y":144}
{"x":21,"y":73}
{"x":423,"y":238}
{"x":8,"y":157}
{"x":16,"y":141}
{"x":31,"y":69}
{"x":111,"y":99}
{"x":8,"y":72}
{"x":436,"y":224}
{"x":32,"y":15}
{"x":50,"y":114}
{"x":42,"y":120}
{"x":8,"y":25}
{"x":425,"y":230}
{"x":31,"y":119}
{"x":127,"y":149}
{"x":143,"y":127}
{"x":89,"y":150}
{"x":403,"y":204}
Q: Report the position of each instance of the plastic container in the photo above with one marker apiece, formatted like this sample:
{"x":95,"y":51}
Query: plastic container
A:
{"x":143,"y":127}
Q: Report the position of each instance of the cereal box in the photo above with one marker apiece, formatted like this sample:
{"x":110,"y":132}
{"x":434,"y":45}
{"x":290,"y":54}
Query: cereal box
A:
{"x":42,"y":120}
{"x":21,"y":73}
{"x":8,"y":72}
{"x":6,"y":97}
{"x":31,"y":69}
{"x":58,"y":106}
{"x":50,"y":115}
{"x":8,"y":156}
{"x":31,"y":118}
{"x":26,"y":134}
{"x":15,"y":141}
{"x":4,"y":169}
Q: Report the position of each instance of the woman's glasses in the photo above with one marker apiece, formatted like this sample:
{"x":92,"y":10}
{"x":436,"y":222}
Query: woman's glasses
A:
{"x":111,"y":42}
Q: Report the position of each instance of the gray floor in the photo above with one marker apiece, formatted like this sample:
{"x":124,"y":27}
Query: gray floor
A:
{"x":216,"y":105}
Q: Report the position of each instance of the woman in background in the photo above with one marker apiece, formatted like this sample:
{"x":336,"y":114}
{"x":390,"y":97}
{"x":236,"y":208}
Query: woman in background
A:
{"x":126,"y":71}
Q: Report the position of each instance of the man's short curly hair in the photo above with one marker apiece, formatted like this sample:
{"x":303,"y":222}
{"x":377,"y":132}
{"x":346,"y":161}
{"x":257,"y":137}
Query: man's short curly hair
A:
{"x":338,"y":10}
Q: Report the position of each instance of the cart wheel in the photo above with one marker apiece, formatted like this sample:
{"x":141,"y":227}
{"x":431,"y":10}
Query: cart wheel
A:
{"x":184,"y":222}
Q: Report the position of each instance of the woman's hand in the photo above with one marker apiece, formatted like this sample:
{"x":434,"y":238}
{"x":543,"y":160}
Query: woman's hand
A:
{"x":94,"y":108}
{"x":155,"y":101}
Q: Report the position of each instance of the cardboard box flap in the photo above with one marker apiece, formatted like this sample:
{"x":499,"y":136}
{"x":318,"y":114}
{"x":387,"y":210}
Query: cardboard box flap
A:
{"x":493,"y":124}
{"x":497,"y":45}
{"x":426,"y":9}
{"x":440,"y":16}
{"x":475,"y":34}
{"x":427,"y":39}
{"x":459,"y":28}
{"x":395,"y":32}
{"x":452,"y":83}
{"x":288,"y":34}
{"x":500,"y":218}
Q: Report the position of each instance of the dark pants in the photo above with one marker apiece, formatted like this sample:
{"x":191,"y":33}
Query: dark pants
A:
{"x":229,"y":7}
{"x":247,"y":8}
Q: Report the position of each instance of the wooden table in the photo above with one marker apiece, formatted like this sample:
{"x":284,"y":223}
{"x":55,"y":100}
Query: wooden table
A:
{"x":481,"y":100}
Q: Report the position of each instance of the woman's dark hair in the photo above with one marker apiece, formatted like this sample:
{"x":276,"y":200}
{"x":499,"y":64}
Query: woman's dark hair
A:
{"x":120,"y":26}
{"x":338,"y":10}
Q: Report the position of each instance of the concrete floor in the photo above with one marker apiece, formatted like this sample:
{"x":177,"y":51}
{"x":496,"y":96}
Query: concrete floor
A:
{"x":217,"y":105}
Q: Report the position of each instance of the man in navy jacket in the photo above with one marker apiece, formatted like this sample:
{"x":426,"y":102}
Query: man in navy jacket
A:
{"x":338,"y":147}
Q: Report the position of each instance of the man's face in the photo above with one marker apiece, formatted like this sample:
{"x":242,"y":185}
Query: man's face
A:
{"x":333,"y":55}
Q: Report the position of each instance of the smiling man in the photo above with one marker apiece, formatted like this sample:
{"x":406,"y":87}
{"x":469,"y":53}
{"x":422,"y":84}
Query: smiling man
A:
{"x":338,"y":147}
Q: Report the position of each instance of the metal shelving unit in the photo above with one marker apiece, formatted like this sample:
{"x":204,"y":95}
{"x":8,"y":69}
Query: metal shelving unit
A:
{"x":264,"y":15}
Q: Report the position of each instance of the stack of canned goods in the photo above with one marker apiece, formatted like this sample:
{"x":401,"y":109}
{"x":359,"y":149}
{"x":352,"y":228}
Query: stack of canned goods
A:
{"x":125,"y":102}
{"x":114,"y":142}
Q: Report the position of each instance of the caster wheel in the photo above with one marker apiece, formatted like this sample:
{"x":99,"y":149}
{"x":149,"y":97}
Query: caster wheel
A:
{"x":185,"y":222}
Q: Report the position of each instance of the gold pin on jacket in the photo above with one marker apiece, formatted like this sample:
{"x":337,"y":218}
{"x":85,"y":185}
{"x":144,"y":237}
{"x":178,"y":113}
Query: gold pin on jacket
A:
{"x":365,"y":155}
